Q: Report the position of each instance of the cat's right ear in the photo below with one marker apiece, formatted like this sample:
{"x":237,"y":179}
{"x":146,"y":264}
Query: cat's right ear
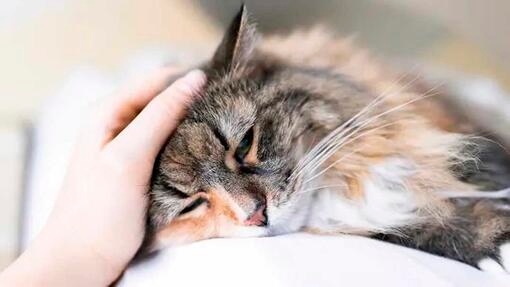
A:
{"x":237,"y":45}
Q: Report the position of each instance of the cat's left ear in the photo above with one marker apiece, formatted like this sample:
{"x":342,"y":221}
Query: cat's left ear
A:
{"x":237,"y":45}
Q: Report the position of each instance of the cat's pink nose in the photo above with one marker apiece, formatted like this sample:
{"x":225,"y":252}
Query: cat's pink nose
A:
{"x":257,"y":218}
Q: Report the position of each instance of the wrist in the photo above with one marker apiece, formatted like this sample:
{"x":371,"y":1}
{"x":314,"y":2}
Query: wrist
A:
{"x":51,"y":261}
{"x":73,"y":256}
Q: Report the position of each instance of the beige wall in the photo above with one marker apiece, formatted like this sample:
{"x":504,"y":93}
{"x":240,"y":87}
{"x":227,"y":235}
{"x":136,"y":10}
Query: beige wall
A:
{"x":42,"y":41}
{"x":484,"y":22}
{"x":40,"y":46}
{"x":481,"y":29}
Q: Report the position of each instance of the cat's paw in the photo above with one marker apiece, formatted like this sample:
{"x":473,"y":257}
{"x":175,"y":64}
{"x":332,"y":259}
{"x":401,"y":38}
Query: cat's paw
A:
{"x":499,"y":264}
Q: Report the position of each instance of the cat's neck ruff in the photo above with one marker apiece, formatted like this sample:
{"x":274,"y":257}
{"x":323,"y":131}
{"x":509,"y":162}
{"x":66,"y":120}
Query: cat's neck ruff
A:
{"x":387,"y":202}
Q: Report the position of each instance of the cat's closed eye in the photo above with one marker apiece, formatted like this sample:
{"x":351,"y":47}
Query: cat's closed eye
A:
{"x":244,"y":146}
{"x":193,"y":205}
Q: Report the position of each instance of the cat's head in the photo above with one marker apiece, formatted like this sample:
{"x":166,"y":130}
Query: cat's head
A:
{"x":231,"y":167}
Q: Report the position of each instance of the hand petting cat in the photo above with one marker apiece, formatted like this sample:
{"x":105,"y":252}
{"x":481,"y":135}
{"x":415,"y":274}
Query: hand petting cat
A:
{"x":98,"y":221}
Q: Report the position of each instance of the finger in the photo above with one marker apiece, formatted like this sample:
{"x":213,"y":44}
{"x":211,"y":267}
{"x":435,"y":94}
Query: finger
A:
{"x":146,"y":134}
{"x":139,"y":93}
{"x":120,"y":109}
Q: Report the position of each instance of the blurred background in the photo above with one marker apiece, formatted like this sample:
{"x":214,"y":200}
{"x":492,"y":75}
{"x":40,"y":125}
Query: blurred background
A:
{"x":44,"y":42}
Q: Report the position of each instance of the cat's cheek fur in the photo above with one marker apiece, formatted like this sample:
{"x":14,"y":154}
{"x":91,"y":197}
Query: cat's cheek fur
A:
{"x":221,"y":217}
{"x":386,"y":202}
{"x":290,"y":216}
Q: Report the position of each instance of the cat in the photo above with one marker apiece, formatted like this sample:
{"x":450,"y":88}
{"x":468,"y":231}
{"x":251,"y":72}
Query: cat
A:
{"x":306,"y":132}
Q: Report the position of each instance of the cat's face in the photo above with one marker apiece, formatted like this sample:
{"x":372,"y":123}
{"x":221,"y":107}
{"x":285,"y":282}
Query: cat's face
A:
{"x":227,"y":169}
{"x":230,"y":169}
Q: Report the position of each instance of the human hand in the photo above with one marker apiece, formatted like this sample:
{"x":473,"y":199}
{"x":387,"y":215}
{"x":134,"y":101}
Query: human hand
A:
{"x":98,"y":220}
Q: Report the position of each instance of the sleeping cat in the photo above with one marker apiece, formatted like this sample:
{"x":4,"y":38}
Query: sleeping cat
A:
{"x":307,"y":133}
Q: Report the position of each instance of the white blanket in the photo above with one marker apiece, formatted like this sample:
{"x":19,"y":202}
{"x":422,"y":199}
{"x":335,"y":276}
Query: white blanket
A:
{"x":292,"y":260}
{"x":303,"y":260}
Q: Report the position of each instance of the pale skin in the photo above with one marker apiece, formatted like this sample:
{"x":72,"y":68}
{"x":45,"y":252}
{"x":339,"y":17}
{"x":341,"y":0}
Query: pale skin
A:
{"x":98,"y":221}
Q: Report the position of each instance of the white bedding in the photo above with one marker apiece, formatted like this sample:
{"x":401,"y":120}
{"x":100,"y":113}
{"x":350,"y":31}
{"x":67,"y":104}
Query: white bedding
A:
{"x":292,"y":260}
{"x":303,"y":260}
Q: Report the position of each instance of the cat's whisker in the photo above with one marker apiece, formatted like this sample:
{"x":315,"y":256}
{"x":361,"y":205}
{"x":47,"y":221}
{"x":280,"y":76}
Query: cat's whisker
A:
{"x":379,"y":99}
{"x":425,"y":95}
{"x":331,"y":165}
{"x":328,"y":150}
{"x":321,"y":187}
{"x":499,"y":194}
{"x":326,"y":144}
{"x":331,"y":146}
{"x":327,"y":147}
{"x":350,"y":140}
{"x":332,"y":149}
{"x":326,"y":153}
{"x":323,"y":143}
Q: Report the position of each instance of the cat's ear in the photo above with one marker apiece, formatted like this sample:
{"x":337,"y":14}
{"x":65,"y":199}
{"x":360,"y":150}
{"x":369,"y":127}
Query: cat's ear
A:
{"x":237,"y":45}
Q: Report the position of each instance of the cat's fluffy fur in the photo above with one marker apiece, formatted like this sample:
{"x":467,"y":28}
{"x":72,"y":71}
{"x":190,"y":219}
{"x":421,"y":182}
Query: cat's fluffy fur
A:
{"x":338,"y":143}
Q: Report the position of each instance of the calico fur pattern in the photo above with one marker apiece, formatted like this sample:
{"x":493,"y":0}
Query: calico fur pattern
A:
{"x":337,"y":144}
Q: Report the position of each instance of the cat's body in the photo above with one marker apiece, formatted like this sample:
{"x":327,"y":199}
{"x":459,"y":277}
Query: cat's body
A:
{"x":306,"y":132}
